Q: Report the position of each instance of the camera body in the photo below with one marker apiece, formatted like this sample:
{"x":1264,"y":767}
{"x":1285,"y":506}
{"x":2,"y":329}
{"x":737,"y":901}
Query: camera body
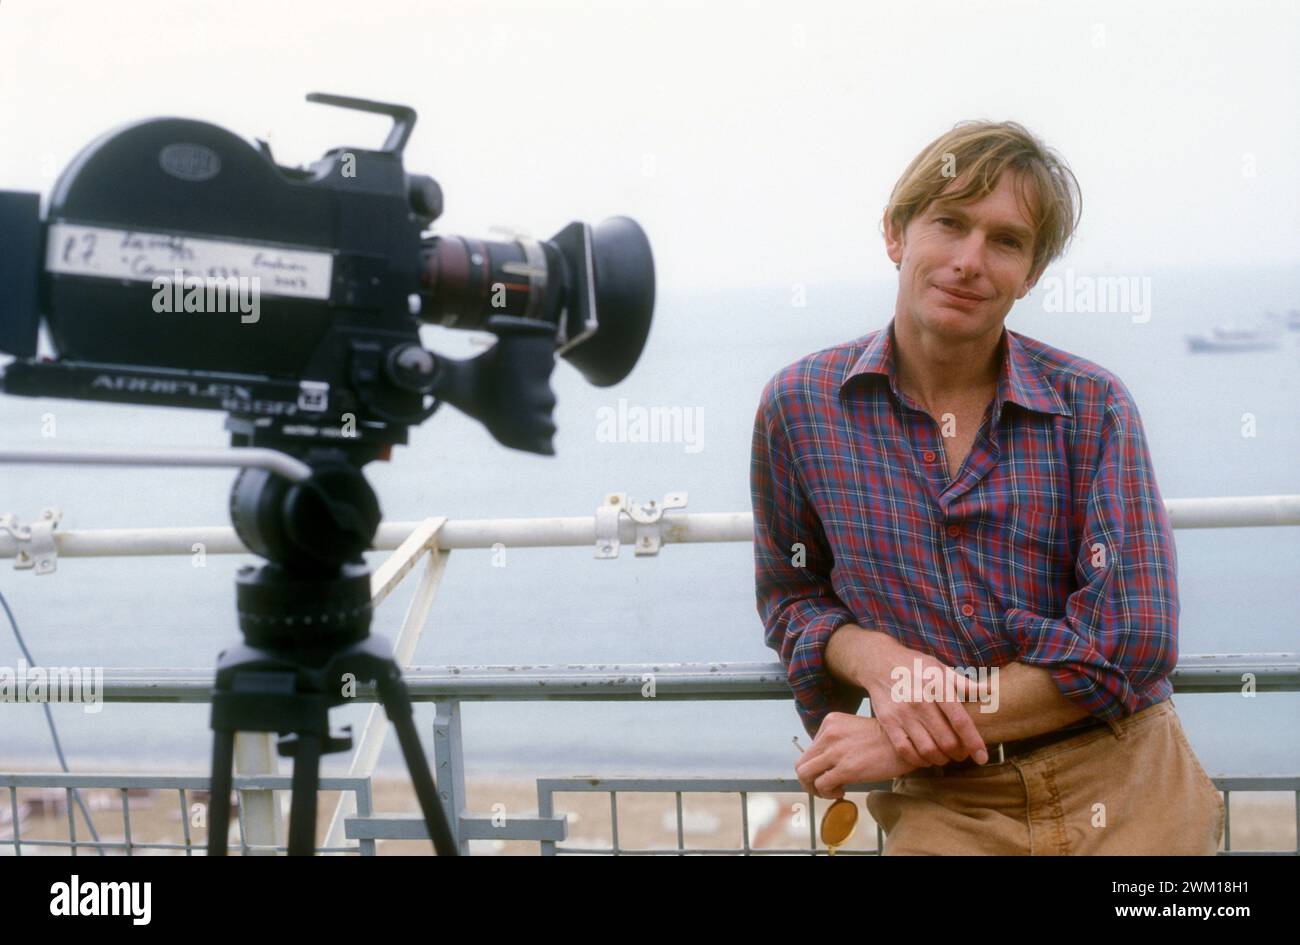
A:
{"x":180,"y":265}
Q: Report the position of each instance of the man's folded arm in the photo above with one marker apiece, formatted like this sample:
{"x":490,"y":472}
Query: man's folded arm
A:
{"x":796,"y":601}
{"x":1119,"y":633}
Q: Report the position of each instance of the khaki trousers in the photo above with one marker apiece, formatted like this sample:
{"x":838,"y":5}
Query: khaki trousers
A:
{"x":1133,"y":788}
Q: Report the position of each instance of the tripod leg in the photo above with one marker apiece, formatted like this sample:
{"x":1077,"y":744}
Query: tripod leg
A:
{"x":392,"y":693}
{"x":223,"y":760}
{"x":302,"y":808}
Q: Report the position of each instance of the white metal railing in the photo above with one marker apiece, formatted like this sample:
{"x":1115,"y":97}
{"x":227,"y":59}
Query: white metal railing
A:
{"x":676,"y":527}
{"x":643,"y":526}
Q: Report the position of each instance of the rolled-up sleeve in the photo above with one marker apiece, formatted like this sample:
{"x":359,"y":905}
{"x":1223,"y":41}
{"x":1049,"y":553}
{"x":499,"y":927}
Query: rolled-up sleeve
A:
{"x":792,"y":567}
{"x":1118,"y":636}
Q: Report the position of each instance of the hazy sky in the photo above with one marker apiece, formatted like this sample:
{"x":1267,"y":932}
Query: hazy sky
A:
{"x":755,"y":142}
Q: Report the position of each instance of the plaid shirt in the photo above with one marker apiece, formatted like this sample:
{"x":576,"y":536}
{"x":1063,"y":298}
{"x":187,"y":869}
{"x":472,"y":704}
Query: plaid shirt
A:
{"x":1050,"y":548}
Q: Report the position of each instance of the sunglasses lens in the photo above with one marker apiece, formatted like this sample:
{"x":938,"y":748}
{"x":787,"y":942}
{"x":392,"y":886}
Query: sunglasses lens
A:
{"x":839,"y":822}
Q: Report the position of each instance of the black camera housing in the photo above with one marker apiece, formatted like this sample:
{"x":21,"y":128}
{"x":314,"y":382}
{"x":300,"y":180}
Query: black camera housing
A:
{"x":338,"y":248}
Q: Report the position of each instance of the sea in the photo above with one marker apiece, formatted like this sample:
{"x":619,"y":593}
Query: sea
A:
{"x":1218,"y":424}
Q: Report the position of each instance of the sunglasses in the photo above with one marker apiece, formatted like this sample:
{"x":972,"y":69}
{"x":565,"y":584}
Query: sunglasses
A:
{"x":840,"y":819}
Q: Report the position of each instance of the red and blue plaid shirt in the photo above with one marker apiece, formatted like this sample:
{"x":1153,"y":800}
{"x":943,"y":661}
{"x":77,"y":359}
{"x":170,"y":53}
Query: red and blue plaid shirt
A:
{"x":1051,"y":547}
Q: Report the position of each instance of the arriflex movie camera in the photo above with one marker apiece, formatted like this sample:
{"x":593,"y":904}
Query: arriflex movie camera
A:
{"x":155,"y":240}
{"x":345,"y":278}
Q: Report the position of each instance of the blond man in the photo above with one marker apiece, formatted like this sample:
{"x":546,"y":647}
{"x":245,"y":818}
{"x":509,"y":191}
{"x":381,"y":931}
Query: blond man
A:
{"x":962,"y":524}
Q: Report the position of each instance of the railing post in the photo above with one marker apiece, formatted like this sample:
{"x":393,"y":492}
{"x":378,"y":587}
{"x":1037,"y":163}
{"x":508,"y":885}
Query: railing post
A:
{"x":546,"y":810}
{"x":263,"y":818}
{"x":449,"y":765}
{"x":365,"y":808}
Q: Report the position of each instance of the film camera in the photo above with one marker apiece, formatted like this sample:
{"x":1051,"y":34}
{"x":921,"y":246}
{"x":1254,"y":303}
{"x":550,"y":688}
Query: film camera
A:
{"x":179,"y":265}
{"x":341,"y":272}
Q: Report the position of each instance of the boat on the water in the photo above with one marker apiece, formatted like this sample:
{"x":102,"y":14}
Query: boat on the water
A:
{"x":1236,"y":338}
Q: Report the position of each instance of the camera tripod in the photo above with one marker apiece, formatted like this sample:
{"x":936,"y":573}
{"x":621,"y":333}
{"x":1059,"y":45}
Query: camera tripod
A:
{"x":305,"y":618}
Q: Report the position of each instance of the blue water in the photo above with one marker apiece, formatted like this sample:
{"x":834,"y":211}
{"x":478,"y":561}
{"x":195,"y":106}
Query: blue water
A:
{"x":712,"y":351}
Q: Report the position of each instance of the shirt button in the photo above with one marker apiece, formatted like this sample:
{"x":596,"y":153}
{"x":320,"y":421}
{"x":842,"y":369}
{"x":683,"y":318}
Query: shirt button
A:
{"x":967,"y":610}
{"x":929,"y":456}
{"x":954,"y":531}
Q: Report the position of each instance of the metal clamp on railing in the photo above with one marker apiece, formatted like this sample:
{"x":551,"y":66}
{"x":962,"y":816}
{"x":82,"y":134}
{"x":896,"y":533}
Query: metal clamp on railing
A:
{"x":36,"y":548}
{"x":648,"y":517}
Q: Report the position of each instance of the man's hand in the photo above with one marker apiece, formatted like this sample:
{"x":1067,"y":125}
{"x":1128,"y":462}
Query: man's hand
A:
{"x":848,"y":749}
{"x":921,"y":731}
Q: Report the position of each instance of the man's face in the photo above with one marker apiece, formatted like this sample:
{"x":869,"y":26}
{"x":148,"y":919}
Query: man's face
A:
{"x":964,"y":265}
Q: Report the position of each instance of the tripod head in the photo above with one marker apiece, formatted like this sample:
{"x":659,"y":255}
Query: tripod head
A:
{"x":311,"y":526}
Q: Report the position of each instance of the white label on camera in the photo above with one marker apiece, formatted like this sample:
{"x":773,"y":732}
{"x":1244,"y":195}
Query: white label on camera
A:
{"x":77,"y":250}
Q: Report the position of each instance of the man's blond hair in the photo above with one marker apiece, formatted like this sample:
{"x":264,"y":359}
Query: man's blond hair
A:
{"x":978,"y":153}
